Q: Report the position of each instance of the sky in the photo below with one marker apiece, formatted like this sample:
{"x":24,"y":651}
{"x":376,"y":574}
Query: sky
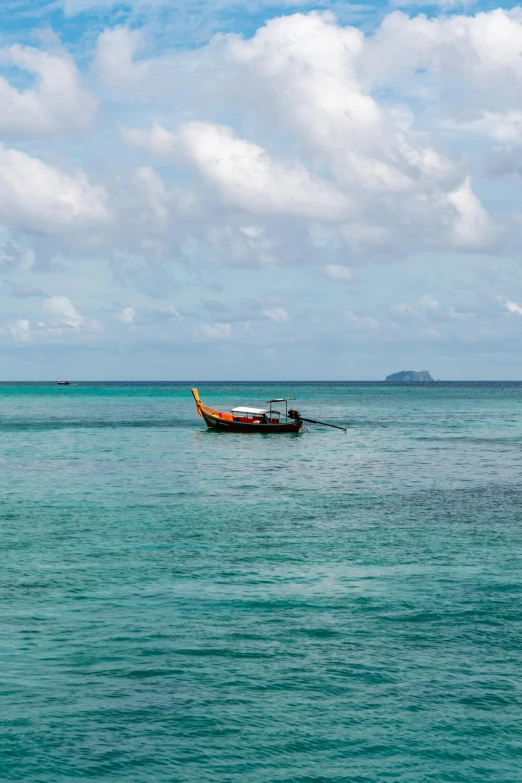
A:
{"x":211,"y":189}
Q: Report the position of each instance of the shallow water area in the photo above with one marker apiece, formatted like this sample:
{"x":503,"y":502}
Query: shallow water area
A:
{"x":183,"y":605}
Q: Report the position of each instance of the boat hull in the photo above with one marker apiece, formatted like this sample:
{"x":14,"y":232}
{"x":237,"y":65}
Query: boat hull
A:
{"x":224,"y":425}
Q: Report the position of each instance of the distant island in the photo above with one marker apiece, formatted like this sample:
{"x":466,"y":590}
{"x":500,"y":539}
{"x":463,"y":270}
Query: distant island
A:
{"x":410,"y":376}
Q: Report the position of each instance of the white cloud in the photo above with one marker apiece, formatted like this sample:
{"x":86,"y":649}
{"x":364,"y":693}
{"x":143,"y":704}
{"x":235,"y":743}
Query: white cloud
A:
{"x":350,"y":159}
{"x":425,"y":310}
{"x":342,"y":274}
{"x":310,"y":143}
{"x":38,"y":197}
{"x":61,"y":312}
{"x":473,"y":226}
{"x":427,"y":302}
{"x":362,"y":323}
{"x":158,"y":140}
{"x":126,"y":316}
{"x":463,"y":71}
{"x":216,"y":331}
{"x":156,"y":195}
{"x":484,"y":47}
{"x":19,"y":330}
{"x":501,"y":126}
{"x":244,"y":174}
{"x":307,"y":65}
{"x":431,"y":332}
{"x":252,"y":231}
{"x":58,"y":100}
{"x":165,"y":312}
{"x":512,"y":307}
{"x":60,"y":320}
{"x":114,"y":61}
{"x":277,"y":314}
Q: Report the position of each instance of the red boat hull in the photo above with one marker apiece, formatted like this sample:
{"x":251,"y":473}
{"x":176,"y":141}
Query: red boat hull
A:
{"x":224,"y":425}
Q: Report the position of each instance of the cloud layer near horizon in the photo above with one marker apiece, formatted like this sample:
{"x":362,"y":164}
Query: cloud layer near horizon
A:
{"x":141,"y":189}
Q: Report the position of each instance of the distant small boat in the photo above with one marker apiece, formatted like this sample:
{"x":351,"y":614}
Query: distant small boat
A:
{"x":246,"y":419}
{"x":63,"y":383}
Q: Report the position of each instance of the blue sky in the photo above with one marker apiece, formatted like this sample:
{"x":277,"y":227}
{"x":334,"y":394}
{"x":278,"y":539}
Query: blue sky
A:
{"x":220,"y":190}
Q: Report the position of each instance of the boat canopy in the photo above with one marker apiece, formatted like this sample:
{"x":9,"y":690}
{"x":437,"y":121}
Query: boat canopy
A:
{"x":279,"y":399}
{"x":249,"y":410}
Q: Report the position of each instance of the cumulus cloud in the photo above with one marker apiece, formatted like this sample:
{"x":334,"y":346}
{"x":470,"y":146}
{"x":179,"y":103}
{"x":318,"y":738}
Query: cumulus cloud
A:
{"x":501,"y":126}
{"x":61,"y":312}
{"x":483,"y":48}
{"x":362,"y":323}
{"x":244,"y":174}
{"x":18,"y":329}
{"x":58,"y":100}
{"x":155,"y":192}
{"x":308,"y":66}
{"x":512,"y":307}
{"x":39,"y":197}
{"x":350,"y":160}
{"x":126,"y":316}
{"x":114,"y":61}
{"x":342,"y":274}
{"x":60,"y":320}
{"x":277,"y":314}
{"x":216,"y":331}
{"x":420,"y":56}
{"x":309,"y":143}
{"x":473,"y":227}
{"x":425,"y":310}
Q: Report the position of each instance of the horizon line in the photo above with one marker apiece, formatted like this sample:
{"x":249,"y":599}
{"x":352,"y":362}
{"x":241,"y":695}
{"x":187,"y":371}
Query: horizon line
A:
{"x":271,"y":381}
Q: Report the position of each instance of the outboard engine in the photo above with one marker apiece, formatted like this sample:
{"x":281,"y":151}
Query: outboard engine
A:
{"x":293,"y":414}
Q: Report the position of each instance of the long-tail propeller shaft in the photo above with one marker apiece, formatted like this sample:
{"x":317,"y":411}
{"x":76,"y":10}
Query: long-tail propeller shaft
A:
{"x":293,"y":414}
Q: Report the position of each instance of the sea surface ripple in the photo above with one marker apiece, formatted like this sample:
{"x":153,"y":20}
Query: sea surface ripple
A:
{"x":186,"y":606}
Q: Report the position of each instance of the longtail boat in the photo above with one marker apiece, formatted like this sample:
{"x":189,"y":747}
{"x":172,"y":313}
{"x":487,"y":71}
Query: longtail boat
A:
{"x":245,"y":419}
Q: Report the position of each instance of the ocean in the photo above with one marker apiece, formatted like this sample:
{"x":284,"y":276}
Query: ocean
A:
{"x":187,"y":606}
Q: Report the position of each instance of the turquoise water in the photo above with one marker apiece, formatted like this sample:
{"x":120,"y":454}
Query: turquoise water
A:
{"x":186,"y":606}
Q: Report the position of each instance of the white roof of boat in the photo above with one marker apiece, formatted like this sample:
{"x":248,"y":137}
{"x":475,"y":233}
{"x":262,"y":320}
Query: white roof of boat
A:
{"x":249,"y":410}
